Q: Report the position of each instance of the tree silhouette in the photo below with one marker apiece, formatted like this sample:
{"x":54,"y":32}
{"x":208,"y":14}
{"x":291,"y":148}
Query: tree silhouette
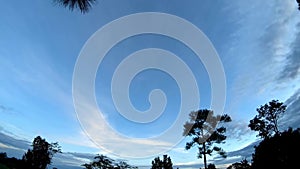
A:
{"x":104,"y":162}
{"x":41,"y":154}
{"x":156,"y":163}
{"x":10,"y":163}
{"x":211,"y":166}
{"x":83,"y":5}
{"x":123,"y":165}
{"x":279,"y":151}
{"x":298,"y":2}
{"x":266,"y":122}
{"x":204,"y":130}
{"x":166,"y":163}
{"x":240,"y":165}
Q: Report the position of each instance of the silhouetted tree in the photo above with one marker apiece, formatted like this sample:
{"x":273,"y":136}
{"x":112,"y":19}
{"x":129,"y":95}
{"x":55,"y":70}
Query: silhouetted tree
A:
{"x":240,"y":165}
{"x":266,"y":122}
{"x":205,"y":132}
{"x":156,"y":163}
{"x":166,"y":163}
{"x":121,"y":165}
{"x":83,"y":5}
{"x":3,"y":156}
{"x":279,"y":151}
{"x":104,"y":162}
{"x":10,"y":163}
{"x":298,"y":2}
{"x":87,"y":166}
{"x":211,"y":166}
{"x":41,"y":154}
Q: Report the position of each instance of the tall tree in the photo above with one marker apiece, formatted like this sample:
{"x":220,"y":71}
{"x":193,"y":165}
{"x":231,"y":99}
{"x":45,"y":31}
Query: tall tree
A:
{"x":41,"y":154}
{"x":83,"y":5}
{"x":165,"y":163}
{"x":205,"y":131}
{"x":266,"y":122}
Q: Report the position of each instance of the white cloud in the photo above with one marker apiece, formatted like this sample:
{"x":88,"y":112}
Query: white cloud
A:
{"x":99,"y":131}
{"x":261,"y":56}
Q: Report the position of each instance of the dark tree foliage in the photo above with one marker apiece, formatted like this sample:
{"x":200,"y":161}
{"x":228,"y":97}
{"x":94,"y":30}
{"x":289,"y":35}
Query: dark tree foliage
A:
{"x":3,"y":156}
{"x":156,"y":163}
{"x":123,"y":165}
{"x":298,"y":2}
{"x":211,"y":166}
{"x":165,"y":163}
{"x":41,"y":154}
{"x":205,"y":131}
{"x":104,"y":162}
{"x":10,"y":163}
{"x":240,"y":165}
{"x":83,"y":5}
{"x":266,"y":122}
{"x":279,"y":151}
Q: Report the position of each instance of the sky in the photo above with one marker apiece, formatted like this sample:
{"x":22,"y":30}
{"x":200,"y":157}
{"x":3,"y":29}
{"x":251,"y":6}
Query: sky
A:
{"x":53,"y":84}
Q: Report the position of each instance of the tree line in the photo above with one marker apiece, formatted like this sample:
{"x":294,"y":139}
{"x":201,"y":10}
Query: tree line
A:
{"x":206,"y":132}
{"x":38,"y":157}
{"x":277,"y":149}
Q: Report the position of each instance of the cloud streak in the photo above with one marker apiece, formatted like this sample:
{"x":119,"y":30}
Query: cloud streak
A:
{"x":291,"y":69}
{"x":291,"y":117}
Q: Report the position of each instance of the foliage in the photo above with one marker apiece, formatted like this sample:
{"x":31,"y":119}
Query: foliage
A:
{"x":266,"y":122}
{"x":41,"y":154}
{"x":104,"y":162}
{"x":83,"y":5}
{"x":205,"y":132}
{"x":211,"y":166}
{"x":3,"y":166}
{"x":166,"y":163}
{"x":279,"y":151}
{"x":240,"y":165}
{"x":6,"y":162}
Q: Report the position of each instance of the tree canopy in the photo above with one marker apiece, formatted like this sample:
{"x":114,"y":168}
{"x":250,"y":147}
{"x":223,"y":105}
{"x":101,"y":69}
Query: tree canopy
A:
{"x":41,"y":154}
{"x":279,"y":151}
{"x":266,"y":122}
{"x":104,"y":162}
{"x":205,"y":131}
{"x":240,"y":165}
{"x":39,"y":157}
{"x":165,"y":163}
{"x":83,"y":5}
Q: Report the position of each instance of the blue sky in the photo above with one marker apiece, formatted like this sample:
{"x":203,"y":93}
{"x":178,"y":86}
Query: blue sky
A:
{"x":40,"y":42}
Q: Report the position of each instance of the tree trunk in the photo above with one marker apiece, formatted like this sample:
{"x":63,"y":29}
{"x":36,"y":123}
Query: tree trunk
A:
{"x":204,"y":155}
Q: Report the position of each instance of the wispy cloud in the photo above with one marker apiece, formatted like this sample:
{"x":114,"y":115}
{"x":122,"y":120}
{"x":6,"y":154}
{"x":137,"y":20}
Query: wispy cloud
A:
{"x":5,"y":109}
{"x":291,"y":69}
{"x":260,"y":61}
{"x":291,"y":117}
{"x":237,"y":130}
{"x":13,"y":142}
